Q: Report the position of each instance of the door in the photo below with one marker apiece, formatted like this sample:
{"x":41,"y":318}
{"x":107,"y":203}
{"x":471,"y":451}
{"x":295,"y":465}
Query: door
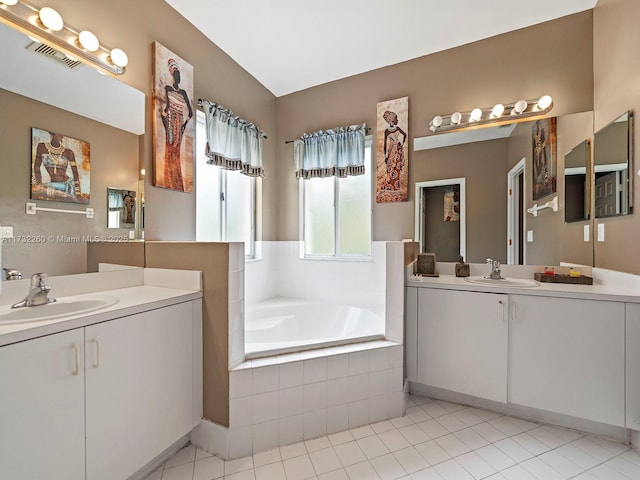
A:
{"x":139,"y":384}
{"x":42,"y":408}
{"x":462,"y":342}
{"x":607,"y":194}
{"x":567,"y":356}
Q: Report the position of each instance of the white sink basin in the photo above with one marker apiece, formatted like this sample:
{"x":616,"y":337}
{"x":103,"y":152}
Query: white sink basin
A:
{"x":64,"y":306}
{"x":504,"y":282}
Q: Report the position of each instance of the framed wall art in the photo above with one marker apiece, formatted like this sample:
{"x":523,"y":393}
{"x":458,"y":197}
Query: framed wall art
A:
{"x":60,"y":167}
{"x":544,"y":144}
{"x":173,"y":122}
{"x":392,"y":151}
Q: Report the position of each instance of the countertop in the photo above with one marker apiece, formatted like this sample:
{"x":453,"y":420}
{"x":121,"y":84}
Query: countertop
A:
{"x":562,"y":290}
{"x":131,"y":300}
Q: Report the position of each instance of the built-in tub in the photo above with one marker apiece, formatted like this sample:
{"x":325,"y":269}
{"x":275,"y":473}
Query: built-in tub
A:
{"x":283,"y":325}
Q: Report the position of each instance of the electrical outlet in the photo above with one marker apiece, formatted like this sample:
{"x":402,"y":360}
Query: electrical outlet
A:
{"x":6,"y":231}
{"x":587,"y":232}
{"x":601,"y":232}
{"x":530,"y":236}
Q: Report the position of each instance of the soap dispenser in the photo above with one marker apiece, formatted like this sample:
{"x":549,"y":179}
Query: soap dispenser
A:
{"x":462,"y":269}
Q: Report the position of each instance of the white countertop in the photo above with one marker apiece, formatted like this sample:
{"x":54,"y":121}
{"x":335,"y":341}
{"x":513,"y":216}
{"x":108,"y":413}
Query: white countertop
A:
{"x":151,"y":293}
{"x":564,"y":290}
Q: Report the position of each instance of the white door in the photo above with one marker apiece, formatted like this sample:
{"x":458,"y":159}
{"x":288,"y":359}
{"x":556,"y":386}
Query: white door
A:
{"x":139,"y":389}
{"x":462,"y":342}
{"x":42,"y":408}
{"x":567,"y":356}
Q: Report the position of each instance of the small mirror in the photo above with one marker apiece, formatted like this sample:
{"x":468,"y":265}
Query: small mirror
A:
{"x":613,"y":162}
{"x":121,"y":208}
{"x":440,"y":214}
{"x":577,"y":168}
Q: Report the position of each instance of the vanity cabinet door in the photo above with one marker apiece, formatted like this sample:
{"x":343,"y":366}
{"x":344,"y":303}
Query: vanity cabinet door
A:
{"x":462,"y":342}
{"x":633,"y":365}
{"x":567,"y":356}
{"x":42,"y":408}
{"x":411,"y":334}
{"x":138,"y":389}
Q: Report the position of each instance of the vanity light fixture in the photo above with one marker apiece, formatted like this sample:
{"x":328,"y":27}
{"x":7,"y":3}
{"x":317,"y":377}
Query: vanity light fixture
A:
{"x":499,"y":114}
{"x":46,"y":25}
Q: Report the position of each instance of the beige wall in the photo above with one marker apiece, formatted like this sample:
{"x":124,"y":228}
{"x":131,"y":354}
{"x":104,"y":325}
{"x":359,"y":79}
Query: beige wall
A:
{"x":114,"y":157}
{"x":553,"y":57}
{"x":616,"y":90}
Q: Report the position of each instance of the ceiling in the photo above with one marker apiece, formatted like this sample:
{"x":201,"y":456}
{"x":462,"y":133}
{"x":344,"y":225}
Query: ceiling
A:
{"x":288,"y":48}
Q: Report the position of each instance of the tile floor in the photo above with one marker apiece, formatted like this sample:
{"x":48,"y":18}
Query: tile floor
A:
{"x":435,"y":440}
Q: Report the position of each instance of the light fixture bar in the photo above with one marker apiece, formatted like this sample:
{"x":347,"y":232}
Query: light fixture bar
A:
{"x":26,"y":18}
{"x":499,"y":114}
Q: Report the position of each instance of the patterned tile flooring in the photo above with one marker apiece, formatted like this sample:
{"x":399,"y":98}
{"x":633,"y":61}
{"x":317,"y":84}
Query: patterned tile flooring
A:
{"x":435,"y":440}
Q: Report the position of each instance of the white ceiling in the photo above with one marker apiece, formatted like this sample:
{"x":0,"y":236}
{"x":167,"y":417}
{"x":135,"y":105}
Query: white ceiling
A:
{"x":291,"y":45}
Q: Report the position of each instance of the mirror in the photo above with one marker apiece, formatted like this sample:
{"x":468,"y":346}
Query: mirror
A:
{"x":577,"y":183}
{"x":613,"y":163}
{"x":441,"y":225}
{"x":121,"y":208}
{"x":497,"y":166}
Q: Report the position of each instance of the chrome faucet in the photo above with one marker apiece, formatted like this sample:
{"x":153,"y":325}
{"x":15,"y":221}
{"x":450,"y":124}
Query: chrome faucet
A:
{"x":38,"y":293}
{"x":495,"y":270}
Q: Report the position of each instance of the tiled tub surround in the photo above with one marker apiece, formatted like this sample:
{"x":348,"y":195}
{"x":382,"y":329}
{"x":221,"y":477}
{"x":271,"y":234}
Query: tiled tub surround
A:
{"x":285,"y":399}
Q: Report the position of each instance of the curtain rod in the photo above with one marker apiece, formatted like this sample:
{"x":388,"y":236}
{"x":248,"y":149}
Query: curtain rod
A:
{"x":201,"y":101}
{"x":366,"y":130}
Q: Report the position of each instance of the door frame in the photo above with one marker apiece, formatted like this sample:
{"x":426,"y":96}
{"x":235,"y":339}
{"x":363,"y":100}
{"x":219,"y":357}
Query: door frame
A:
{"x":513,"y":240}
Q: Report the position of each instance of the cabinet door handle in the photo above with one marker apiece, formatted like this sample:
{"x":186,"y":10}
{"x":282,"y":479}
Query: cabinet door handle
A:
{"x":76,"y":370}
{"x":501,"y":310}
{"x":96,"y":363}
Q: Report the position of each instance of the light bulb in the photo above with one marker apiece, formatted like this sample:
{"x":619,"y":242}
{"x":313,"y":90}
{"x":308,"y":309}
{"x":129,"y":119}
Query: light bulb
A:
{"x":520,"y":106}
{"x":476,"y":114}
{"x":456,"y":118}
{"x":497,"y":111}
{"x":51,"y":19}
{"x":143,"y":172}
{"x":119,"y":58}
{"x":545,"y":102}
{"x":88,"y":41}
{"x":437,"y":121}
{"x":9,"y":2}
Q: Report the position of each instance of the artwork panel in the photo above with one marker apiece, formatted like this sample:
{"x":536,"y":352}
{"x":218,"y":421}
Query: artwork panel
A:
{"x":392,"y":151}
{"x":544,"y":154}
{"x":60,"y":167}
{"x":173,"y":121}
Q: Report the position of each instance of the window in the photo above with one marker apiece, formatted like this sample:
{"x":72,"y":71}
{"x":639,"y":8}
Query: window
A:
{"x":225,"y":200}
{"x":336,"y":214}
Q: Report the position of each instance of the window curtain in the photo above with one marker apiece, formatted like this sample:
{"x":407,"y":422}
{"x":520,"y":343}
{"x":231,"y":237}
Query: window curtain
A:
{"x":115,"y":201}
{"x":338,"y":152}
{"x":232,"y":143}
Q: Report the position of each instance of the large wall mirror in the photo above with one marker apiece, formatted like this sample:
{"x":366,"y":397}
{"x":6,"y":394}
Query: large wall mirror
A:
{"x":497,"y":165}
{"x":109,"y":115}
{"x":577,"y":183}
{"x":613,"y":167}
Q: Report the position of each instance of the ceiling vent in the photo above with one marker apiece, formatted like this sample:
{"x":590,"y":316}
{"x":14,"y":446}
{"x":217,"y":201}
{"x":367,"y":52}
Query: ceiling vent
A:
{"x":53,"y":54}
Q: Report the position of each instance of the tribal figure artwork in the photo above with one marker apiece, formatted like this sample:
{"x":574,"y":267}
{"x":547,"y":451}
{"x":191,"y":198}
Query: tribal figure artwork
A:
{"x":392,"y":152}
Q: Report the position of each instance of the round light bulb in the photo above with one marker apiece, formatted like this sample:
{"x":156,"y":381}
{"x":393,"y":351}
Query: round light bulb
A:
{"x":119,"y":58}
{"x":545,"y":102}
{"x":476,"y":114}
{"x":437,"y":121}
{"x":498,"y":110}
{"x":9,"y":2}
{"x":143,"y":172}
{"x":88,"y":41}
{"x":456,"y":118}
{"x":520,"y":106}
{"x":51,"y":19}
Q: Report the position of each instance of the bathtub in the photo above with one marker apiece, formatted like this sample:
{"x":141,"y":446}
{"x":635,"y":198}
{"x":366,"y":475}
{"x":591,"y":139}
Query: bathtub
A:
{"x":283,"y":325}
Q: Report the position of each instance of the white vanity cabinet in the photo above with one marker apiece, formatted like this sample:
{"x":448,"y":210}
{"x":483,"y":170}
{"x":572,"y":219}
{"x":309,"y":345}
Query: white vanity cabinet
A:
{"x":462,"y":342}
{"x":568,"y":356}
{"x":633,"y":365}
{"x":110,"y":396}
{"x":138,"y":389}
{"x":42,"y":408}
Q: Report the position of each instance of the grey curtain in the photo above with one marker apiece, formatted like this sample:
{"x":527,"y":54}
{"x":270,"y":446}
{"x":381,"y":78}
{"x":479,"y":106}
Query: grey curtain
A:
{"x":232,"y":143}
{"x":336,"y":152}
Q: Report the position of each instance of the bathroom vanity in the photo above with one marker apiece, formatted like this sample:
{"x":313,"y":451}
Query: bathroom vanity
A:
{"x":99,"y":395}
{"x":564,"y":349}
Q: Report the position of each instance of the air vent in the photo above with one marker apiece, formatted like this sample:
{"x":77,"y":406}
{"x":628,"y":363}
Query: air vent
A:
{"x":53,"y":54}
